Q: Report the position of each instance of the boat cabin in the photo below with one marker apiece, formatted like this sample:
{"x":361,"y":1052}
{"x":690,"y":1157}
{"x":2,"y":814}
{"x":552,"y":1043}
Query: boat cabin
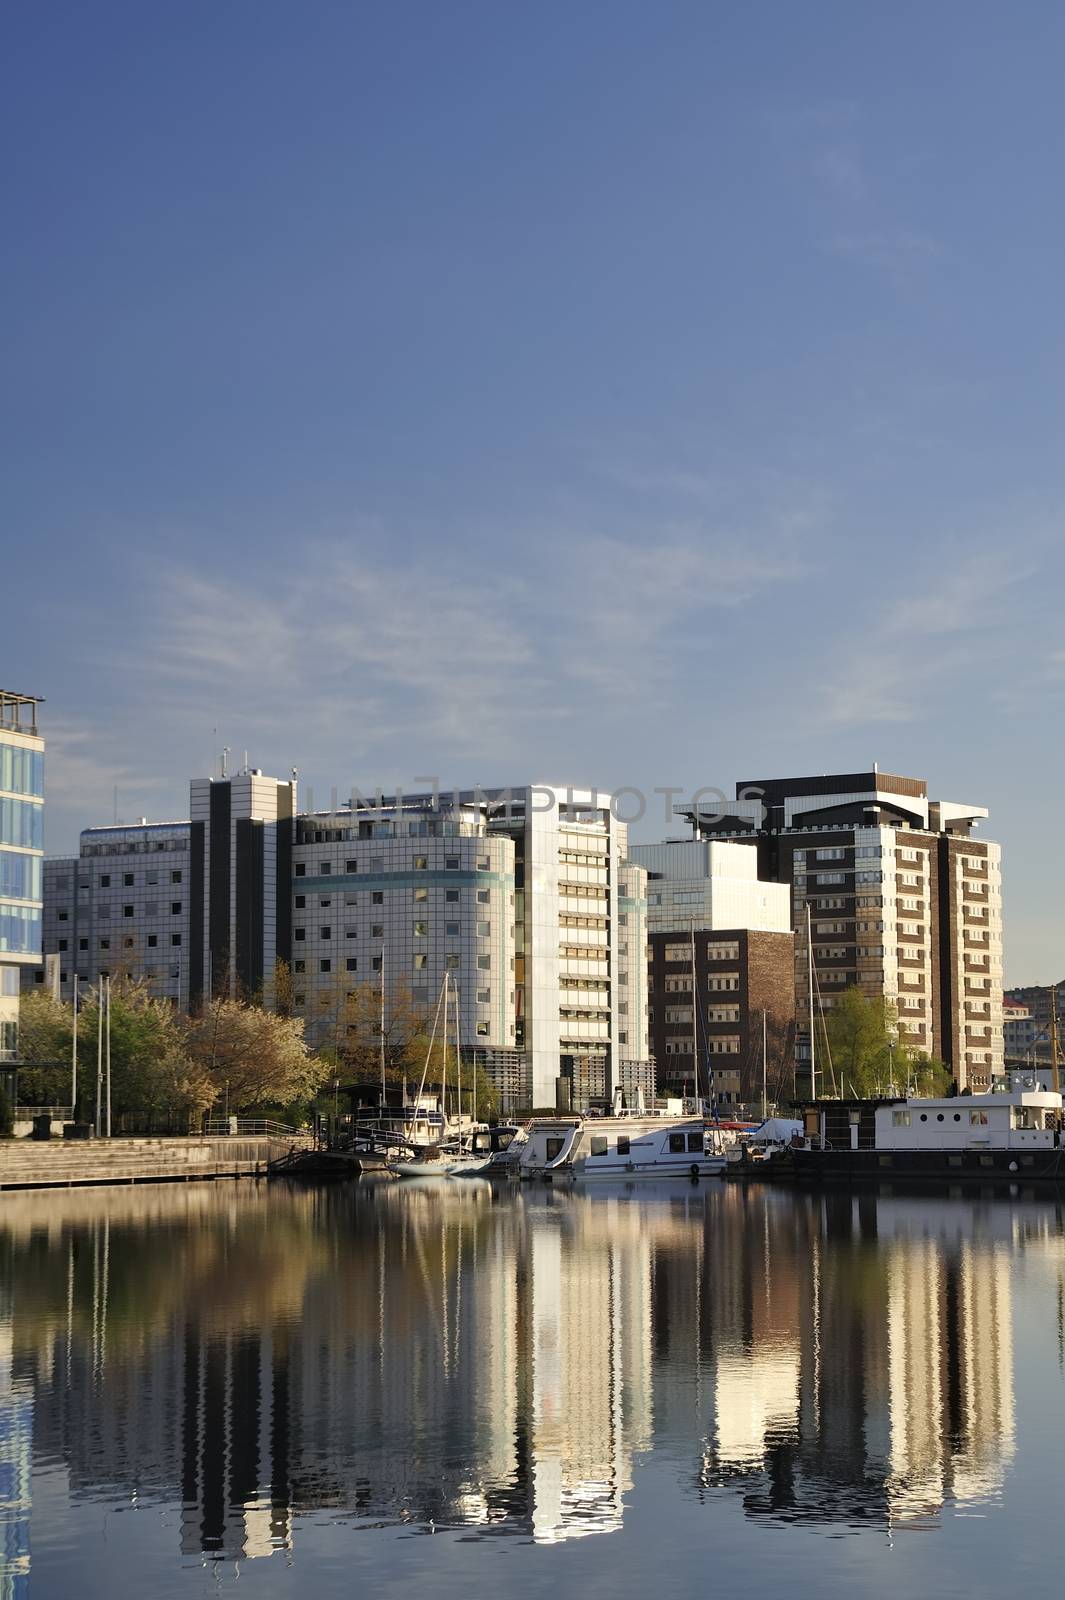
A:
{"x":1016,"y":1117}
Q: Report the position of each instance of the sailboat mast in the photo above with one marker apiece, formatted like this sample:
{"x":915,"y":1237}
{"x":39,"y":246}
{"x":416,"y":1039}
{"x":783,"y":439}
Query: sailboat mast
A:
{"x":810,"y":982}
{"x":381,"y":1026}
{"x":765,"y":1103}
{"x":695,"y":1025}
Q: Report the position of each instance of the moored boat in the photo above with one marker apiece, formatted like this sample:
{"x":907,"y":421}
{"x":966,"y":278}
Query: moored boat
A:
{"x":1012,"y":1134}
{"x":623,"y":1148}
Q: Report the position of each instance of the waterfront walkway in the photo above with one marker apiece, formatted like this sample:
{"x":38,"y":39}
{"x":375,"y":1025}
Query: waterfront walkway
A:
{"x":29,"y":1164}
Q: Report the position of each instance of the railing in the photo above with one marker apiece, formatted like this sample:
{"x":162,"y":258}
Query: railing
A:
{"x":251,"y":1127}
{"x":23,"y":1113}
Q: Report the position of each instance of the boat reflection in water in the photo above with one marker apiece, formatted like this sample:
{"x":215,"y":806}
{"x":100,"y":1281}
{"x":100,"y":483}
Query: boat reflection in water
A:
{"x":452,"y":1356}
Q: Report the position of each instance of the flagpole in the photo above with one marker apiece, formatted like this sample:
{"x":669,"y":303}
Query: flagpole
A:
{"x":108,"y":1057}
{"x":74,"y":1057}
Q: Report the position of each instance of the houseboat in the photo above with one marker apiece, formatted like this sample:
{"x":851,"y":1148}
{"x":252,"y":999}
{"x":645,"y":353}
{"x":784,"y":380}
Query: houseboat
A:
{"x":1012,"y":1134}
{"x":623,"y":1148}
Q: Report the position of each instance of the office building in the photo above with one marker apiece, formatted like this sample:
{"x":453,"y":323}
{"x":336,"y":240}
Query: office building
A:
{"x":524,"y":897}
{"x":21,"y":855}
{"x":710,"y":884}
{"x":903,"y":900}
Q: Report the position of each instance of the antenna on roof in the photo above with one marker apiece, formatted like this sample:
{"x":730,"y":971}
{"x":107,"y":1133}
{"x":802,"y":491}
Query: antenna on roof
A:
{"x":225,"y":758}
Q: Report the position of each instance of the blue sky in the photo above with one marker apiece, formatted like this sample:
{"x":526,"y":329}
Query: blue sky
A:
{"x":620,"y":393}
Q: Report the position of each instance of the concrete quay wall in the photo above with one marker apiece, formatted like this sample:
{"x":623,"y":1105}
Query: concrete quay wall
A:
{"x":27,"y":1164}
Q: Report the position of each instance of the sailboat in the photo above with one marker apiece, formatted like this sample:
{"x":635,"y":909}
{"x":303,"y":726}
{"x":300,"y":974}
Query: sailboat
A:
{"x":452,"y":1155}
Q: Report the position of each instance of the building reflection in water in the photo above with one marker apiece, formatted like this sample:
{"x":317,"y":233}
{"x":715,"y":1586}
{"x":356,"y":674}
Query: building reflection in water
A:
{"x":453,"y":1357}
{"x":875,"y":1381}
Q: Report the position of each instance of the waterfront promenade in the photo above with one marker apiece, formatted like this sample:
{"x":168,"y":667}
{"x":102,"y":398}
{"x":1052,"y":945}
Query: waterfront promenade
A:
{"x":28,"y":1164}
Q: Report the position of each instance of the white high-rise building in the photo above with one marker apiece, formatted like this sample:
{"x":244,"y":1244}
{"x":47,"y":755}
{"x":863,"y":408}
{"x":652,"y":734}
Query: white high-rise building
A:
{"x":21,"y":855}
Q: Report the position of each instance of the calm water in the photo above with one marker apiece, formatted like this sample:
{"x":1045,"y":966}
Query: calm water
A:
{"x":257,"y":1391}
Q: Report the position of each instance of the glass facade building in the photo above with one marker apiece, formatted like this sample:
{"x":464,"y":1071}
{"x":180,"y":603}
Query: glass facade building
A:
{"x":21,"y":854}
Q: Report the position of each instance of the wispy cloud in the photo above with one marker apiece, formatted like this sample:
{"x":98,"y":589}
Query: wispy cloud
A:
{"x":952,"y":624}
{"x":899,"y":252}
{"x":380,"y":655}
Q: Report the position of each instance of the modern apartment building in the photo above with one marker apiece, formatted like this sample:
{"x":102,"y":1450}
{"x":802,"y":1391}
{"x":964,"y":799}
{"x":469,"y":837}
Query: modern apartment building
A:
{"x":736,"y":977}
{"x":523,"y":896}
{"x":21,"y":855}
{"x":708,"y":910}
{"x":903,"y":899}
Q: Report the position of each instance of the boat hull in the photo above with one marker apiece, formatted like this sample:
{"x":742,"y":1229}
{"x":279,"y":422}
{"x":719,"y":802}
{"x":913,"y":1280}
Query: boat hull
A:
{"x":822,"y":1168}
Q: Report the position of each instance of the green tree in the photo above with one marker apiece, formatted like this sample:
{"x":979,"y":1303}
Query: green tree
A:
{"x":44,"y":1039}
{"x":250,"y":1057}
{"x":861,"y":1047}
{"x":7,"y":1120}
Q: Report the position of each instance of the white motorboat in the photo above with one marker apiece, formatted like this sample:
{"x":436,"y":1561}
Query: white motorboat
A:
{"x":624,"y":1148}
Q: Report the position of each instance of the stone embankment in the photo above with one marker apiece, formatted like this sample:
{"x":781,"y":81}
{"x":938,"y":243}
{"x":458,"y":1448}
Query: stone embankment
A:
{"x":28,"y":1164}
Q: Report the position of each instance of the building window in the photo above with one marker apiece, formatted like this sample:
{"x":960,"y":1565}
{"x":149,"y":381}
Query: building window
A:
{"x":153,"y":940}
{"x":105,"y":880}
{"x":420,"y":863}
{"x":127,"y":879}
{"x":377,"y":931}
{"x":451,"y":895}
{"x":377,"y":898}
{"x":62,"y":916}
{"x":299,"y":933}
{"x":299,"y":966}
{"x":175,"y":940}
{"x":420,"y":930}
{"x":483,"y":895}
{"x":352,"y":963}
{"x":376,"y":963}
{"x":175,"y":876}
{"x":484,"y":930}
{"x":105,"y":944}
{"x":451,"y":863}
{"x":301,"y":869}
{"x":351,"y":866}
{"x":325,"y":868}
{"x":420,"y":963}
{"x":451,"y":929}
{"x":326,"y":932}
{"x":62,"y":944}
{"x":83,"y":944}
{"x":451,"y":963}
{"x":325,"y":900}
{"x":325,"y":965}
{"x":127,"y":911}
{"x":421,"y":894}
{"x":484,"y":963}
{"x":300,"y":902}
{"x":175,"y":908}
{"x":351,"y":933}
{"x":484,"y":997}
{"x":482,"y":1030}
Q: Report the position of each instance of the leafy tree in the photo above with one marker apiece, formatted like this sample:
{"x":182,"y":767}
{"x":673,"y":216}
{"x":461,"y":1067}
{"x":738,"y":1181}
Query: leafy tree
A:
{"x":7,"y":1120}
{"x":149,"y":1072}
{"x":44,"y":1048}
{"x":348,"y":1031}
{"x":861,"y":1040}
{"x":250,"y":1057}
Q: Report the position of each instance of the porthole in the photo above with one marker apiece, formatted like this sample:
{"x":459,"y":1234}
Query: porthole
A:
{"x":957,"y":1116}
{"x":924,"y":1116}
{"x":939,"y":1116}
